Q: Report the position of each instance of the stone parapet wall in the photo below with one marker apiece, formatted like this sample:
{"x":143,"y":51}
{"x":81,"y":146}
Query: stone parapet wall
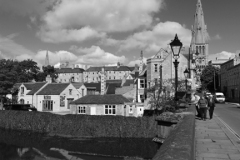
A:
{"x":180,"y":144}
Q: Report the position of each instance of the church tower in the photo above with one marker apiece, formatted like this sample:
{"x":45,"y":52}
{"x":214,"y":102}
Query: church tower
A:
{"x":47,"y":59}
{"x":199,"y":45}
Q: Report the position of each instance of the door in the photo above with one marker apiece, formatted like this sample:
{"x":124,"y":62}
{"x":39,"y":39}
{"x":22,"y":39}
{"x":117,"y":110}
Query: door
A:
{"x":93,"y":111}
{"x":69,"y":100}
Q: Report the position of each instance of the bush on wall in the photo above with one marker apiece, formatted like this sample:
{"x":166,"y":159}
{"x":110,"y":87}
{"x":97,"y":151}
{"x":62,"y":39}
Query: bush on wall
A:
{"x":79,"y":125}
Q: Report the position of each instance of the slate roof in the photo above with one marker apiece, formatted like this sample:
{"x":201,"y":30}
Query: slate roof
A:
{"x":53,"y":89}
{"x":35,"y":87}
{"x":102,"y":99}
{"x":128,"y":82}
{"x":69,"y":70}
{"x":97,"y":86}
{"x":77,"y":85}
{"x":111,"y":87}
{"x":110,"y":68}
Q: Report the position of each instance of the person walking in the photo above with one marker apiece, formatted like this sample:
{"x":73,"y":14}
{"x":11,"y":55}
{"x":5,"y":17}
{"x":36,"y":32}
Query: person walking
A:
{"x":203,"y":106}
{"x":211,"y":105}
{"x":196,"y":104}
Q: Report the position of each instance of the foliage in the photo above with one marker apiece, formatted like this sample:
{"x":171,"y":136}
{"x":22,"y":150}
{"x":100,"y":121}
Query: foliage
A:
{"x":12,"y":72}
{"x":79,"y":125}
{"x":47,"y":70}
{"x":162,"y":98}
{"x":207,"y":78}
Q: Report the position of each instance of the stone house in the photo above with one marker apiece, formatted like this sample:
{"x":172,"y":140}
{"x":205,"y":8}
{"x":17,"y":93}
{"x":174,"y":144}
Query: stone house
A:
{"x":27,"y":92}
{"x":56,"y":97}
{"x":93,"y":74}
{"x":82,"y":89}
{"x":105,"y":105}
{"x":67,"y":75}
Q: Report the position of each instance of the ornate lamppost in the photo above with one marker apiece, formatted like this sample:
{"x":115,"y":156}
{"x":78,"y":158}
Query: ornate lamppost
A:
{"x":186,"y":75}
{"x":176,"y":46}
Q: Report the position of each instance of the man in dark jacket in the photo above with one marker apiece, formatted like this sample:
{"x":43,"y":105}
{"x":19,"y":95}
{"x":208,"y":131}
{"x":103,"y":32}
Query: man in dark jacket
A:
{"x":203,"y":104}
{"x":211,"y":105}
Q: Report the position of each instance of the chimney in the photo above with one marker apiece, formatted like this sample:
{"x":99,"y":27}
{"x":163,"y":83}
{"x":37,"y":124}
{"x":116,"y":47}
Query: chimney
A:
{"x":103,"y":82}
{"x":118,"y":64}
{"x":49,"y":79}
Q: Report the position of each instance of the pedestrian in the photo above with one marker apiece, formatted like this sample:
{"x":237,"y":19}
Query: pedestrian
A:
{"x":203,"y":106}
{"x":211,"y":105}
{"x":196,"y":104}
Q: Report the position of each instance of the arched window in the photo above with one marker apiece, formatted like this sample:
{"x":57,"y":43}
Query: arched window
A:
{"x":197,"y":49}
{"x":203,"y":49}
{"x":21,"y":101}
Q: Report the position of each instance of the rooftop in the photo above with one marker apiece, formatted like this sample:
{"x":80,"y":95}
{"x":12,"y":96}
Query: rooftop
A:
{"x":53,"y":89}
{"x":102,"y":99}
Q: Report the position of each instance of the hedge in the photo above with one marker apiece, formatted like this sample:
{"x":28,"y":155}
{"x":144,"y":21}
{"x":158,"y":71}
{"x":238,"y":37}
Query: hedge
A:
{"x":79,"y":125}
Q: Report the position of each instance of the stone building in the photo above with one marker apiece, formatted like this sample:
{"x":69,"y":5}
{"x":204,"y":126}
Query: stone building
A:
{"x":93,"y":74}
{"x":199,"y":45}
{"x":163,"y":62}
{"x":66,"y":75}
{"x":230,"y":75}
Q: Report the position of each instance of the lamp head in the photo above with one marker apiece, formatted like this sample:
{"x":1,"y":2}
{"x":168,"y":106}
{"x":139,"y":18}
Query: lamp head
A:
{"x":176,"y":46}
{"x":186,"y":73}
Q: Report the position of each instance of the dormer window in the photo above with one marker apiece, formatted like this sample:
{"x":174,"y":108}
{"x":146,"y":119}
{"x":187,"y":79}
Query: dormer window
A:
{"x":70,"y":91}
{"x":22,"y":90}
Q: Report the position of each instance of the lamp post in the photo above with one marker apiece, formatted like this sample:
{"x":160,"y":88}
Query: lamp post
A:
{"x":186,"y":75}
{"x":176,"y":46}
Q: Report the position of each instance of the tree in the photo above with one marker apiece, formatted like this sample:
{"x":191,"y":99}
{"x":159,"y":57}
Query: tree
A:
{"x":12,"y":72}
{"x":209,"y":78}
{"x":47,"y":70}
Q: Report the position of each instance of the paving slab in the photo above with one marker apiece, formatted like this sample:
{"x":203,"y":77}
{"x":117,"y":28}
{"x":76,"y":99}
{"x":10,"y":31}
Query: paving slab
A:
{"x":213,"y":141}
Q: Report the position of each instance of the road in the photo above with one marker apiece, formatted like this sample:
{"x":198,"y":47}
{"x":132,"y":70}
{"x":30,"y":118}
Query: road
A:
{"x":230,"y":114}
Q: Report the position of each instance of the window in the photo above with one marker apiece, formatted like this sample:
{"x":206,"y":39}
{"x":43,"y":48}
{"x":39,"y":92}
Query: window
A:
{"x":142,"y":83}
{"x":81,"y":110}
{"x":70,"y":91}
{"x":110,"y":109}
{"x":22,"y":90}
{"x":155,"y":67}
{"x":130,"y":109}
{"x":82,"y":92}
{"x":62,"y":101}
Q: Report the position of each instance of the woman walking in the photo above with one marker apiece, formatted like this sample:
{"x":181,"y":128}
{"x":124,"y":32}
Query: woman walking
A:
{"x":203,"y":106}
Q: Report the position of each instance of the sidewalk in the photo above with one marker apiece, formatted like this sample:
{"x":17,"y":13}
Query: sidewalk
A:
{"x":213,"y":141}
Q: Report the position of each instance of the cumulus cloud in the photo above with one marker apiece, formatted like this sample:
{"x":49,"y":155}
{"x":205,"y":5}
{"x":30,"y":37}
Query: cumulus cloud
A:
{"x":151,"y":40}
{"x":67,"y":35}
{"x":97,"y":56}
{"x":137,"y":61}
{"x":75,"y":17}
{"x":222,"y":55}
{"x":10,"y":49}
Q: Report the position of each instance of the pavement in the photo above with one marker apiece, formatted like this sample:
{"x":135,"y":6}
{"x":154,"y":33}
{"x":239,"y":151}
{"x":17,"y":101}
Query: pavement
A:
{"x":236,"y":104}
{"x":214,"y":141}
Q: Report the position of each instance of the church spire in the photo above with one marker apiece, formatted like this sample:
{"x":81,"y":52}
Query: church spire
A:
{"x":199,"y":29}
{"x":47,"y":59}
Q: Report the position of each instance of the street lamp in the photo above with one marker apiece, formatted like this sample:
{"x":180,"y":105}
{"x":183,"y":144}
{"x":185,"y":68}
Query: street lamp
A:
{"x":176,"y":46}
{"x":186,"y":75}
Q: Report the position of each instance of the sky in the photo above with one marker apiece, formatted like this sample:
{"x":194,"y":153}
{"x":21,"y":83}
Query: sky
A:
{"x":104,"y":32}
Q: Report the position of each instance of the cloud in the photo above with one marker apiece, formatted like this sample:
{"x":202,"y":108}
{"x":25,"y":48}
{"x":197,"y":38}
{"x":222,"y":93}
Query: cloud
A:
{"x":137,"y":61}
{"x":222,"y":55}
{"x":67,"y":35}
{"x":97,"y":56}
{"x":10,"y":49}
{"x":217,"y":37}
{"x":69,"y":19}
{"x":159,"y":36}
